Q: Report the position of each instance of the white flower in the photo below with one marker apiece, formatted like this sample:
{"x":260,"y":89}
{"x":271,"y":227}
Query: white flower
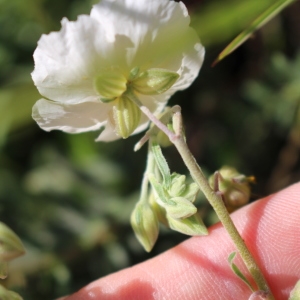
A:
{"x":86,"y":68}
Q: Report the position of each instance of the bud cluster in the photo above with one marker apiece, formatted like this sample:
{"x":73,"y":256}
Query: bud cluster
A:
{"x":170,"y":202}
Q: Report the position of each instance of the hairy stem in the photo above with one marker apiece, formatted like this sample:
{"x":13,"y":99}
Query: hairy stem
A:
{"x":218,"y":205}
{"x":214,"y":199}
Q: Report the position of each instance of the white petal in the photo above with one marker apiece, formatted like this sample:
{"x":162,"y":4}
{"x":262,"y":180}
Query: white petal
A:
{"x":71,"y":118}
{"x":66,"y":61}
{"x":189,"y":70}
{"x":108,"y":134}
{"x":159,"y":30}
{"x":119,"y":35}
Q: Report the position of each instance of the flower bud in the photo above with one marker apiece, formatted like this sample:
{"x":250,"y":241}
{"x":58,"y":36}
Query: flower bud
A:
{"x":145,"y":225}
{"x":8,"y":295}
{"x":178,"y":185}
{"x":10,"y":244}
{"x":154,"y":81}
{"x":180,"y":208}
{"x":192,"y":225}
{"x":180,"y":189}
{"x":234,"y":187}
{"x":191,"y":192}
{"x":110,"y":84}
{"x":125,"y":116}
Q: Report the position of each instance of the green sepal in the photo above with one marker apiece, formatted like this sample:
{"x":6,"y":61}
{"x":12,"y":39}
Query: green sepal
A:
{"x":10,"y":244}
{"x":237,"y":271}
{"x":180,"y":189}
{"x":8,"y":295}
{"x":154,"y":81}
{"x":145,"y":225}
{"x":159,"y":210}
{"x":192,"y":225}
{"x":180,"y":208}
{"x":107,"y":100}
{"x":162,"y":164}
{"x":235,"y":187}
{"x":125,"y":116}
{"x":110,"y":84}
{"x":178,"y":185}
{"x":295,"y":293}
{"x":191,"y":192}
{"x":134,"y":73}
{"x":162,"y":195}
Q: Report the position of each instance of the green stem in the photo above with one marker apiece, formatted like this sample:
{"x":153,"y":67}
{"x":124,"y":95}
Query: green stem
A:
{"x":218,"y":205}
{"x":145,"y":182}
{"x":145,"y":110}
{"x":214,"y":199}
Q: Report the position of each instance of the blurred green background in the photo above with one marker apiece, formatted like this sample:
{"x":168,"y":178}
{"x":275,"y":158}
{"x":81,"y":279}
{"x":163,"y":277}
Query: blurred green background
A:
{"x":69,"y":198}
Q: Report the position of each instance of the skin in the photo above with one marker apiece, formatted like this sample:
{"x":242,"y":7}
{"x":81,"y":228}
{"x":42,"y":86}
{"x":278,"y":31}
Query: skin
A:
{"x":198,"y":268}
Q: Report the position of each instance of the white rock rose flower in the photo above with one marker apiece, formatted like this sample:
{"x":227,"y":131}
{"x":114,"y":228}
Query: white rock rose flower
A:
{"x":89,"y":70}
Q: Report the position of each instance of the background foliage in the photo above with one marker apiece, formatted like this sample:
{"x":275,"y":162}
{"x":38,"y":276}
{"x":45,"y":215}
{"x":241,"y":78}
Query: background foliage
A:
{"x":69,"y":198}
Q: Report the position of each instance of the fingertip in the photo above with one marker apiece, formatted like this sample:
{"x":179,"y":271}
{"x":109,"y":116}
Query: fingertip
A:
{"x":198,"y":267}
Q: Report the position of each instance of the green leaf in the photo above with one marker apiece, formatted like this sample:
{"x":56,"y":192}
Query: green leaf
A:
{"x":178,"y":185}
{"x":237,"y":271}
{"x":265,"y":17}
{"x":191,"y":226}
{"x":295,"y":293}
{"x":160,"y":191}
{"x":10,"y":244}
{"x":162,"y":164}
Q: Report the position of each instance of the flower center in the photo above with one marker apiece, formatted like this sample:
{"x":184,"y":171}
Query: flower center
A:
{"x":119,"y":90}
{"x":111,"y":84}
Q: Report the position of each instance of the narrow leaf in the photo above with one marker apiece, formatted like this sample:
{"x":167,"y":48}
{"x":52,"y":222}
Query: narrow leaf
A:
{"x":265,"y":17}
{"x":162,"y":164}
{"x":160,"y":191}
{"x":237,"y":271}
